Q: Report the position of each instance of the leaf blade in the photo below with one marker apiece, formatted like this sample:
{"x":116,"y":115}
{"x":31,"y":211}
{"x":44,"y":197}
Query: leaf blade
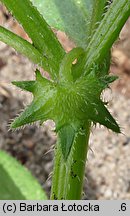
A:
{"x":66,"y":135}
{"x":71,"y":16}
{"x":23,"y":47}
{"x":38,"y":30}
{"x":25,"y":85}
{"x":106,"y":35}
{"x":16,"y":183}
{"x":100,"y":114}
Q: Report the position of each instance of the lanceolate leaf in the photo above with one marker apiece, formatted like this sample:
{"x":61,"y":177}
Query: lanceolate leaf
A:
{"x":99,"y":113}
{"x":106,"y":33}
{"x":38,"y":30}
{"x":72,"y":16}
{"x":25,"y":85}
{"x":66,"y":136}
{"x":24,"y":47}
{"x":16,"y":182}
{"x":41,"y":105}
{"x":34,"y":112}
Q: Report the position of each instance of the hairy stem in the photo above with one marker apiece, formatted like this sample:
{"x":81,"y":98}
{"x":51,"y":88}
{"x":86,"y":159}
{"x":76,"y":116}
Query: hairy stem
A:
{"x":106,"y":33}
{"x":68,"y":175}
{"x":97,"y":15}
{"x":104,"y":36}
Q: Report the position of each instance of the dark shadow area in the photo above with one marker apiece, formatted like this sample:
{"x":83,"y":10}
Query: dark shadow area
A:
{"x":8,"y":190}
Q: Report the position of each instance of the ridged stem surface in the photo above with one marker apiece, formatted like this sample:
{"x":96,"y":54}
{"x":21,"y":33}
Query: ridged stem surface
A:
{"x":68,"y":175}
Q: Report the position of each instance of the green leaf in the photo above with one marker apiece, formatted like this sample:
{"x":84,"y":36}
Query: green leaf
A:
{"x":25,"y":85}
{"x":66,"y":135}
{"x":43,"y":95}
{"x":106,"y":34}
{"x":16,"y":182}
{"x":38,"y":30}
{"x":99,"y":113}
{"x":24,"y":47}
{"x":33,"y":86}
{"x":72,"y":16}
{"x":108,"y":79}
{"x":36,"y":111}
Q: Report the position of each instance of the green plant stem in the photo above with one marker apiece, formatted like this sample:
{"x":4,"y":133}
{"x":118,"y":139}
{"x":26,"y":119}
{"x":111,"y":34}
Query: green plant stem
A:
{"x":106,"y":33}
{"x":97,"y":15}
{"x":104,"y":37}
{"x":68,"y":175}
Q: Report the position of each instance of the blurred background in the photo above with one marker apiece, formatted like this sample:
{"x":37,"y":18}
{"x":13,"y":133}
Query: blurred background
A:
{"x":108,"y":164}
